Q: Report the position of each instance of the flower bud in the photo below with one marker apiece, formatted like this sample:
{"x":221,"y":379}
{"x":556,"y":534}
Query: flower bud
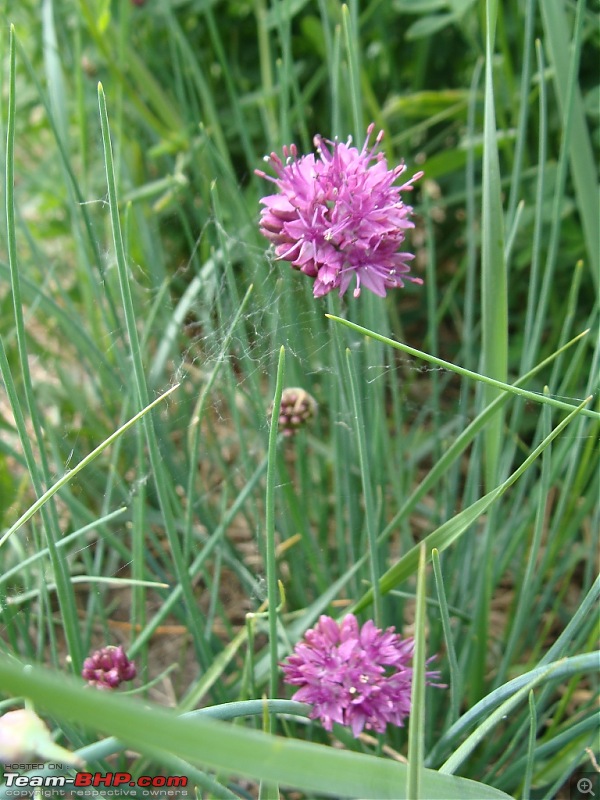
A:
{"x":108,"y":667}
{"x":297,"y":407}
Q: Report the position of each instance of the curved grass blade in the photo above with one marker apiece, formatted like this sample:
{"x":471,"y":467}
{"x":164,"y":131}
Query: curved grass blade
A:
{"x":557,"y":670}
{"x":482,"y":731}
{"x":467,"y":373}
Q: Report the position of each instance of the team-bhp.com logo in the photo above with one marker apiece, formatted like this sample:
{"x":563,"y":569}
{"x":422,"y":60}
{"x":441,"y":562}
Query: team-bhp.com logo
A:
{"x":156,"y":785}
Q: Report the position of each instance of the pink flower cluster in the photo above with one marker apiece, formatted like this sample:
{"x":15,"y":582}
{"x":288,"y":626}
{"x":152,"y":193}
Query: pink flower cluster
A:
{"x":339,"y":217}
{"x":108,"y":667}
{"x":358,"y":677}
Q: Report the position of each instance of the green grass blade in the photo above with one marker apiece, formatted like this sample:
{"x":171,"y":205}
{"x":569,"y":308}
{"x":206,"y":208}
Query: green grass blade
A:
{"x":533,"y":298}
{"x":458,"y":447}
{"x":455,"y":673}
{"x":365,"y":472}
{"x":416,"y":725}
{"x":8,"y":574}
{"x":494,"y":289}
{"x":583,"y":165}
{"x":517,"y":172}
{"x":530,"y":747}
{"x":525,"y":593}
{"x":543,"y":297}
{"x":40,"y":476}
{"x":54,"y":76}
{"x":271,"y":561}
{"x":349,"y":27}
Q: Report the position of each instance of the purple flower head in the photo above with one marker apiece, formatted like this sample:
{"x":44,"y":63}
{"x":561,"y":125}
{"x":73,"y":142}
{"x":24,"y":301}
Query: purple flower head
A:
{"x":338,"y":217}
{"x":108,"y":667}
{"x":355,"y":676}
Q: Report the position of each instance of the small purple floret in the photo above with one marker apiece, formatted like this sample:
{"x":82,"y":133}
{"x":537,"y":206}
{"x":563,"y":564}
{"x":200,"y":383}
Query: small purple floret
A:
{"x":108,"y":667}
{"x":358,"y":677}
{"x":338,"y":217}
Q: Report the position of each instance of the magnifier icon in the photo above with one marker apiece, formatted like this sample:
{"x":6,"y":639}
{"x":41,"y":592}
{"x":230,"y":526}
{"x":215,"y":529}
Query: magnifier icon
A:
{"x":584,"y":786}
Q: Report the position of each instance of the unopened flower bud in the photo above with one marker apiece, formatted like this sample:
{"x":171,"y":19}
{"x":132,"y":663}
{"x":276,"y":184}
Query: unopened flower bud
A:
{"x":108,"y":667}
{"x":297,"y":407}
